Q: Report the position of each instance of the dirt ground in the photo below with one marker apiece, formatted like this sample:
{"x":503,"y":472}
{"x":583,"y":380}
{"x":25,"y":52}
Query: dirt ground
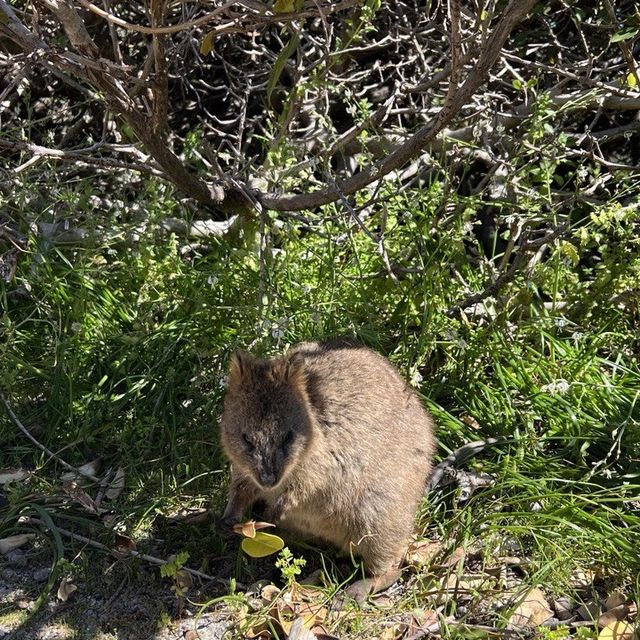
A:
{"x":112,"y":601}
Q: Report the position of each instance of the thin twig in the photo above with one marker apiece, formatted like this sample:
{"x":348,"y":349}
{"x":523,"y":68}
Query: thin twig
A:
{"x":40,"y":446}
{"x":525,"y":246}
{"x":263,"y":9}
{"x":515,"y":11}
{"x":131,"y":552}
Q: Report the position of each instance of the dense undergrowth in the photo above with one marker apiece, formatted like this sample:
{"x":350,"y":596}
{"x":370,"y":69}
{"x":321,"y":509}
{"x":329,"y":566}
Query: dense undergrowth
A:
{"x":116,"y":347}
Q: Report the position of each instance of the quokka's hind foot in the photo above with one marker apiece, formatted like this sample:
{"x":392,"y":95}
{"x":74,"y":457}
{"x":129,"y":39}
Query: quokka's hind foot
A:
{"x":360,"y":590}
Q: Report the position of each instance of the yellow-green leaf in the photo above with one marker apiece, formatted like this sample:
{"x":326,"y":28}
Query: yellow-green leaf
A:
{"x":206,"y":46}
{"x":631,"y":80}
{"x":617,"y":631}
{"x":263,"y":544}
{"x":283,"y":6}
{"x":569,"y":251}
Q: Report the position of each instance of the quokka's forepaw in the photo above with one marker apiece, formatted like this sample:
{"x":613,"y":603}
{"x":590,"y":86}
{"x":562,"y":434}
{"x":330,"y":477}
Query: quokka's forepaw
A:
{"x":224,"y":526}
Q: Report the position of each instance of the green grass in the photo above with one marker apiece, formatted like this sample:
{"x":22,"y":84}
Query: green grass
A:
{"x":120,"y":351}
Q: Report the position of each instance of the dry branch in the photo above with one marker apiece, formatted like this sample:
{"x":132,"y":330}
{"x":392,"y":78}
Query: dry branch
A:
{"x":40,"y":446}
{"x":131,"y":553}
{"x":513,"y":14}
{"x":119,"y":88}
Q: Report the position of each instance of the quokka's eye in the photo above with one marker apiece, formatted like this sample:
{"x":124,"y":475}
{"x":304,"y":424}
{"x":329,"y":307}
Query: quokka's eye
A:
{"x":247,"y":442}
{"x":288,"y":439}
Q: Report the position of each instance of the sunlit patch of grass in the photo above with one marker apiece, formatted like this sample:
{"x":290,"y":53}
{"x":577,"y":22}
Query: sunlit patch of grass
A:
{"x":120,"y":352}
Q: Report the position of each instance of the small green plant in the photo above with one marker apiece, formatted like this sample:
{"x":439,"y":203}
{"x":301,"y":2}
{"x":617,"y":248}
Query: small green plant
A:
{"x":182,"y":580}
{"x":171,"y":568}
{"x":560,"y":633}
{"x":290,"y":566}
{"x":585,"y":633}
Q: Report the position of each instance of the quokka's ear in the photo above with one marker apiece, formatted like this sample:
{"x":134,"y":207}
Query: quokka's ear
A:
{"x":291,"y":369}
{"x":240,"y":368}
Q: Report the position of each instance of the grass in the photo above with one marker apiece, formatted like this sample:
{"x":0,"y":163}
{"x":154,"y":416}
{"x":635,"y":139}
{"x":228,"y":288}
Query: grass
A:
{"x":120,"y":352}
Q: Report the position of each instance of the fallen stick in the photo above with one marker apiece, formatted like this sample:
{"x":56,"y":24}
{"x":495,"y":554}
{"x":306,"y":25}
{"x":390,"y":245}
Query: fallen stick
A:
{"x":133,"y":553}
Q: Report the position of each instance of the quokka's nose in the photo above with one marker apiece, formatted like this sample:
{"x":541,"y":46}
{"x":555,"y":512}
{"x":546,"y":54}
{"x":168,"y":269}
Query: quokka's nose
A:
{"x":268,"y":479}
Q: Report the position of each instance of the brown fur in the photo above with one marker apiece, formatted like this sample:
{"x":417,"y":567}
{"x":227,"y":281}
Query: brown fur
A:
{"x":335,"y":443}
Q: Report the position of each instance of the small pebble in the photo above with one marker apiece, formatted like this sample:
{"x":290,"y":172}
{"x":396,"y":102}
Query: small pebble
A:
{"x":41,"y":575}
{"x":8,"y":575}
{"x":16,"y":558}
{"x":563,"y":608}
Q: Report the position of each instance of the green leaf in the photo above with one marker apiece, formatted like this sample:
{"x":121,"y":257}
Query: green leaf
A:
{"x":283,"y":6}
{"x":206,"y":46}
{"x":170,"y":569}
{"x":569,"y":251}
{"x":264,"y":544}
{"x":625,"y":34}
{"x":631,"y":80}
{"x":278,"y":65}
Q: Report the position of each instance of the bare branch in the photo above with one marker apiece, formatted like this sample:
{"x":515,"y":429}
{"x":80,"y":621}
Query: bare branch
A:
{"x":81,"y":156}
{"x":515,"y":11}
{"x":40,"y":446}
{"x":131,"y":552}
{"x":160,"y":86}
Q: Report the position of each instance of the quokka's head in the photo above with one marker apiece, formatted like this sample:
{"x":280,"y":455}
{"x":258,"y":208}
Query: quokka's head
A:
{"x":266,"y":426}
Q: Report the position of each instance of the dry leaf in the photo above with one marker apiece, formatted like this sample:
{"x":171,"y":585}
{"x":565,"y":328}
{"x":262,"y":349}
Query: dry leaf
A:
{"x":581,"y":579}
{"x":306,"y":593}
{"x":206,"y":46}
{"x":299,"y":632}
{"x":422,"y":552}
{"x":65,"y":589}
{"x":393,"y":633}
{"x":116,"y":485}
{"x":589,"y":610}
{"x":614,"y":600}
{"x":613,"y":615}
{"x":79,"y":495}
{"x":13,"y":542}
{"x":184,"y":580}
{"x":470,"y":421}
{"x":563,"y":608}
{"x":287,"y":613}
{"x":260,"y":630}
{"x":269,"y":593}
{"x":190,"y":516}
{"x":312,"y":614}
{"x":124,"y":544}
{"x":322,"y":634}
{"x":617,"y":631}
{"x":471,"y":582}
{"x":532,"y":611}
{"x":13,"y":475}
{"x":424,"y":622}
{"x":455,"y":557}
{"x":25,"y":604}
{"x":248,"y":529}
{"x":88,"y":469}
